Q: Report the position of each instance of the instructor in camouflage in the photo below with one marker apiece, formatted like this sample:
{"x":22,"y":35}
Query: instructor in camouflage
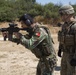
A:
{"x":40,"y":43}
{"x":67,"y":41}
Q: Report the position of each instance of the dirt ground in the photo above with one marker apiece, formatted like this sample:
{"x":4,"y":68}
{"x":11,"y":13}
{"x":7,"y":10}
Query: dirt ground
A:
{"x":17,"y":60}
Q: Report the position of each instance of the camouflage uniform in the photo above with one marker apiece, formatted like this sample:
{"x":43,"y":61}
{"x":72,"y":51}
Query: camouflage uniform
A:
{"x":40,"y":43}
{"x":67,"y":39}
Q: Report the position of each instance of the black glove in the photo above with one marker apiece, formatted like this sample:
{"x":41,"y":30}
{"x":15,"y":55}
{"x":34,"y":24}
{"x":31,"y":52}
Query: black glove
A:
{"x":73,"y":62}
{"x":59,"y":53}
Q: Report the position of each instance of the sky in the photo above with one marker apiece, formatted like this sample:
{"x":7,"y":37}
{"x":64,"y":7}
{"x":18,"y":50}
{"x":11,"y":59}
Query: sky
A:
{"x":64,"y":2}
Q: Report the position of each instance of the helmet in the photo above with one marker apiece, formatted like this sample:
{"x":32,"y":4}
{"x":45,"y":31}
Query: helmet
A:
{"x":67,"y":9}
{"x":26,"y":19}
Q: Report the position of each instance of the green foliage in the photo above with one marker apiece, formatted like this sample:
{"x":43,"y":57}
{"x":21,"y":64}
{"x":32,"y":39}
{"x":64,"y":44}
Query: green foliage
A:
{"x":36,"y":10}
{"x":13,"y":9}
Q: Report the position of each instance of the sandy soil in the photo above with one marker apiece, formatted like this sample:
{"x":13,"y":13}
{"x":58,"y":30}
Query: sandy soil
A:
{"x":17,"y":60}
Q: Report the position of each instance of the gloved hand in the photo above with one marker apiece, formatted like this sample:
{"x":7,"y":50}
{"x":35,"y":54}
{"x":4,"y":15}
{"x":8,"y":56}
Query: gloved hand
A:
{"x":15,"y":40}
{"x":59,"y":53}
{"x":73,"y":62}
{"x":17,"y":35}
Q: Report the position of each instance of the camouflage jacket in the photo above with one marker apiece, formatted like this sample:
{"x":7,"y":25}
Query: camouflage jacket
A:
{"x":40,"y":43}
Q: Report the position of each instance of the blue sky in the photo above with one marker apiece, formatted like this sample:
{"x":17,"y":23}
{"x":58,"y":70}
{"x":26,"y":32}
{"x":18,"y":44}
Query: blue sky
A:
{"x":64,"y":2}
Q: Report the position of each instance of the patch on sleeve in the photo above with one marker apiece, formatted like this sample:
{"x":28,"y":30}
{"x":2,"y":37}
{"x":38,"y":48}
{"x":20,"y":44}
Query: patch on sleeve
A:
{"x":37,"y":34}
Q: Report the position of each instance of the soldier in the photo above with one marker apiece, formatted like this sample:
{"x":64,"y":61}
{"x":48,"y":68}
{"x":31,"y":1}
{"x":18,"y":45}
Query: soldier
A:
{"x":67,"y":40}
{"x":39,"y":41}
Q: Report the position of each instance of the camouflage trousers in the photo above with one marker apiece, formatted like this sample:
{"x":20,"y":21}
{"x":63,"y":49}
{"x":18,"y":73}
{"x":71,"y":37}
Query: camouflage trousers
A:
{"x":66,"y":68}
{"x":43,"y":70}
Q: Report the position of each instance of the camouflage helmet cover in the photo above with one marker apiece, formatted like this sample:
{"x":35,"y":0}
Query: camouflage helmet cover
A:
{"x":67,"y":9}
